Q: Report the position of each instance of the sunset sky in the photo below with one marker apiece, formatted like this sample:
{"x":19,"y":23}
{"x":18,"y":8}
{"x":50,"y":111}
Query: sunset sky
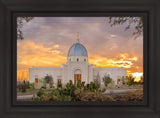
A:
{"x":47,"y":41}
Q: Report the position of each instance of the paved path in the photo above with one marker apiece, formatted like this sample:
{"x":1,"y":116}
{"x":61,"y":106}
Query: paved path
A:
{"x":24,"y":98}
{"x":108,"y":92}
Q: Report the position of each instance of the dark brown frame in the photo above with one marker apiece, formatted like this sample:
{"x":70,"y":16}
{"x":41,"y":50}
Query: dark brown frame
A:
{"x":148,"y":9}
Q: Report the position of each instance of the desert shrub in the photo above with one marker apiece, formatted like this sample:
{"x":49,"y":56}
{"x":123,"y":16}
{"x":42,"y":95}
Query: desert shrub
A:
{"x":130,"y":80}
{"x":92,"y":87}
{"x":111,"y":85}
{"x":60,"y":85}
{"x":40,"y":92}
{"x":141,"y":81}
{"x":51,"y":85}
{"x":35,"y":98}
{"x":41,"y":80}
{"x":130,"y":96}
{"x":19,"y":86}
{"x":82,"y":92}
{"x":67,"y":98}
{"x":43,"y":87}
{"x":32,"y":85}
{"x":27,"y":84}
{"x":82,"y":95}
{"x":123,"y":79}
{"x":23,"y":86}
{"x":72,"y":92}
{"x":107,"y":80}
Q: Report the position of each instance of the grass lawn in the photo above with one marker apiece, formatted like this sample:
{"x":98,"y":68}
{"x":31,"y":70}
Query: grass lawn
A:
{"x":28,"y":92}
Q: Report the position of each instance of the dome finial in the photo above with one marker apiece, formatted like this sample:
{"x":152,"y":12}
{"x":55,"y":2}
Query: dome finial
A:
{"x":77,"y":37}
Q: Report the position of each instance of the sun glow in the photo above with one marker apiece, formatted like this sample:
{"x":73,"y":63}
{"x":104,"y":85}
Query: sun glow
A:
{"x":137,"y":76}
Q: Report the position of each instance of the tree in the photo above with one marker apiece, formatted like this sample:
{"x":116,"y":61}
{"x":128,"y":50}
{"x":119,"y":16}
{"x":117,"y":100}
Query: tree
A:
{"x":138,"y":21}
{"x":130,"y":80}
{"x":98,"y":79}
{"x":24,"y":86}
{"x":48,"y":79}
{"x":107,"y":80}
{"x":20,"y":22}
{"x":141,"y":81}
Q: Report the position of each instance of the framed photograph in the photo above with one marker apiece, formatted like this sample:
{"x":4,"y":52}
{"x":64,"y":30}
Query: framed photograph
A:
{"x":79,"y":59}
{"x":96,"y":67}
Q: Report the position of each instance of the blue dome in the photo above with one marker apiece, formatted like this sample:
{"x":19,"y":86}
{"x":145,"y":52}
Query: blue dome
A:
{"x":77,"y":49}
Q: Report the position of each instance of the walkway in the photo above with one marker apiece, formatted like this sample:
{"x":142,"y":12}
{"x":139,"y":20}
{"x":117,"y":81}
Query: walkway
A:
{"x":109,"y":92}
{"x":24,"y":98}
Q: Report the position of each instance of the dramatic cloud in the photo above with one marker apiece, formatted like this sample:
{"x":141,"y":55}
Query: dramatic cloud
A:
{"x":48,"y":39}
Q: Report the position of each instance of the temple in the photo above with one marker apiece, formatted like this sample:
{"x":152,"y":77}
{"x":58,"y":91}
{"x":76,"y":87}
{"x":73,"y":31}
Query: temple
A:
{"x":76,"y":68}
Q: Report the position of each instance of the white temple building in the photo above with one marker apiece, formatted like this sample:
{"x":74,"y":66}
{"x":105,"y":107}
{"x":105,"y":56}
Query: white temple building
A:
{"x":76,"y":68}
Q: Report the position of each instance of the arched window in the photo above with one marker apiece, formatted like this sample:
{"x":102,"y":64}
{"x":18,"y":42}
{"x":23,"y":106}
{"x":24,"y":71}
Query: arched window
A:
{"x":84,"y":59}
{"x":77,"y":59}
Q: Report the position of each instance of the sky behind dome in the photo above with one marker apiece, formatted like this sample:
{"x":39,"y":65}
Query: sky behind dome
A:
{"x":47,"y":41}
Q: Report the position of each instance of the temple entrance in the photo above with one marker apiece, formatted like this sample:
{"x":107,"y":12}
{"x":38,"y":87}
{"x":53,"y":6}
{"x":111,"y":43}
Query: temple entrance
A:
{"x":118,"y":81}
{"x":77,"y":76}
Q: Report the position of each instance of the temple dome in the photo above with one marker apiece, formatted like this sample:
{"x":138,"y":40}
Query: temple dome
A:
{"x":77,"y":49}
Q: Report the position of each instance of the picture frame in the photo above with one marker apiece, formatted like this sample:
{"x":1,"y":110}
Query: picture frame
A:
{"x":149,"y":10}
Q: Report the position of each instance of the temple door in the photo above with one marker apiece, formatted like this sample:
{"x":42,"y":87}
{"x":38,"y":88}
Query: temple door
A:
{"x":77,"y":77}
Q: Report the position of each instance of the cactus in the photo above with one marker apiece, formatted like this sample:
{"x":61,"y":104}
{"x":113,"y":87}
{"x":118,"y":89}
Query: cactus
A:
{"x":71,"y":92}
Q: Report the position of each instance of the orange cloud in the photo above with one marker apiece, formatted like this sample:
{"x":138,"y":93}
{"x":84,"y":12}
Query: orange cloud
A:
{"x":31,"y":54}
{"x":121,"y":60}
